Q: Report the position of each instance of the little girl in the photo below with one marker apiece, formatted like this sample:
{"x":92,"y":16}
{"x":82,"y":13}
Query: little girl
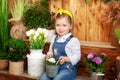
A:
{"x":65,"y":47}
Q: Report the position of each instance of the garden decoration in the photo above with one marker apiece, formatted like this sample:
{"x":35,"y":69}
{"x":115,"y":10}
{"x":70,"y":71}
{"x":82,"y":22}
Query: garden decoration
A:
{"x":36,"y":59}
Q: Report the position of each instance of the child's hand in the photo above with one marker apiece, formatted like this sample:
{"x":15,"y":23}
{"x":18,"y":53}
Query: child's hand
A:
{"x":62,"y":59}
{"x":49,"y":56}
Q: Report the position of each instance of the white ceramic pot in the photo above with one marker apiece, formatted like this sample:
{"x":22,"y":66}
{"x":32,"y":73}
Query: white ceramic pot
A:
{"x":36,"y":63}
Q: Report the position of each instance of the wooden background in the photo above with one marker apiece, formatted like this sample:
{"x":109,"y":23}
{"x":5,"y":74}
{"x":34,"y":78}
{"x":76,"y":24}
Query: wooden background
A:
{"x":87,"y":19}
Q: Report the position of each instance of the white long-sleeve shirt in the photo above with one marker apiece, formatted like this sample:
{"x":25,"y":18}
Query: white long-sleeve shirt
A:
{"x":72,"y":48}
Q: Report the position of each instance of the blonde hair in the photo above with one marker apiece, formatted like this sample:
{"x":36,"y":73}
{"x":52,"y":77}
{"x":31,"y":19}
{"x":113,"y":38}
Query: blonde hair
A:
{"x":65,"y":13}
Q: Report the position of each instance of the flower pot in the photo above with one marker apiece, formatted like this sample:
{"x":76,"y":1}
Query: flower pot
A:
{"x":36,"y":61}
{"x":3,"y":64}
{"x":16,"y":68}
{"x":97,"y":76}
{"x":52,"y":71}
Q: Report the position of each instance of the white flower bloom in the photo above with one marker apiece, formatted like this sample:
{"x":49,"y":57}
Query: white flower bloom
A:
{"x":28,"y":33}
{"x":45,"y":31}
{"x":32,"y":31}
{"x":39,"y":30}
{"x":37,"y":36}
{"x":36,"y":33}
{"x":51,"y":60}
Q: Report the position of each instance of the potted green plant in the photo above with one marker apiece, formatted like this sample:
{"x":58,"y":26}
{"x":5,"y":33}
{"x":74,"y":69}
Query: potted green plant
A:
{"x":4,"y":34}
{"x":52,"y":67}
{"x":16,"y":55}
{"x":38,"y":15}
{"x":37,"y":39}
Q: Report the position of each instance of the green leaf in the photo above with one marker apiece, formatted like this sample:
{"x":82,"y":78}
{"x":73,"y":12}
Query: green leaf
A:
{"x":117,"y":33}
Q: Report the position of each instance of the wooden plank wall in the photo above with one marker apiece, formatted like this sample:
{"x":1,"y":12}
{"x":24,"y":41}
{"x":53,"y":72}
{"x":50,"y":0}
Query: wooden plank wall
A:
{"x":87,"y":19}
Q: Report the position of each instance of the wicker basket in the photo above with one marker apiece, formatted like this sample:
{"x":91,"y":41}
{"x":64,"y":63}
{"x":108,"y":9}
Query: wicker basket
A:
{"x":3,"y":64}
{"x":16,"y":68}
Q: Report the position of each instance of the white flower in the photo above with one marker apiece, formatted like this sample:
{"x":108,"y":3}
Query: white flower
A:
{"x":45,"y":31}
{"x":37,"y":38}
{"x":39,"y":30}
{"x":36,"y":33}
{"x":51,"y":60}
{"x":30,"y":32}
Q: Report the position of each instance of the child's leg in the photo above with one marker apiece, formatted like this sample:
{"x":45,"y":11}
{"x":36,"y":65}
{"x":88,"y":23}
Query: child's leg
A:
{"x":65,"y":75}
{"x":44,"y":77}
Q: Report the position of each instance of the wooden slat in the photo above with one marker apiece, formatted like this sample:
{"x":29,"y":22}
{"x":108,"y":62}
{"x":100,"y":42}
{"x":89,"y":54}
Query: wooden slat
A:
{"x":78,"y":8}
{"x":55,"y":5}
{"x":65,"y":4}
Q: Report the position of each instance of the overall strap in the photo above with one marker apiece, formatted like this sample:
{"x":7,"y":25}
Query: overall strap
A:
{"x":67,"y":40}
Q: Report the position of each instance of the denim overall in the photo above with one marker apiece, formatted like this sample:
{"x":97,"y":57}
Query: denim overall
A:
{"x":66,"y":70}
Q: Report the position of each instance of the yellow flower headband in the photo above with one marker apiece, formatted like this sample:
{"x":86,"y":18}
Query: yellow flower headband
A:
{"x":64,"y":11}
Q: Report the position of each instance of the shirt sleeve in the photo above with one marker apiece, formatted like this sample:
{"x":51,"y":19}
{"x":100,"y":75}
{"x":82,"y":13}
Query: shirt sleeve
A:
{"x":73,"y":50}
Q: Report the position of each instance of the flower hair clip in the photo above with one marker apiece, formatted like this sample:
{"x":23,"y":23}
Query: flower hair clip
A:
{"x":61,"y":11}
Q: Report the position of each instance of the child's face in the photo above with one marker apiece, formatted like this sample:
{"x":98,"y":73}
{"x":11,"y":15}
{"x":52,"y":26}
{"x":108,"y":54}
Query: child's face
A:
{"x":63,"y":26}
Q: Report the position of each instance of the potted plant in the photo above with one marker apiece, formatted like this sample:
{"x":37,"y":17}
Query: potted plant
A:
{"x":37,"y":39}
{"x":52,"y":67}
{"x":38,"y":15}
{"x":16,"y":55}
{"x":16,"y":9}
{"x":96,"y":63}
{"x":4,"y":34}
